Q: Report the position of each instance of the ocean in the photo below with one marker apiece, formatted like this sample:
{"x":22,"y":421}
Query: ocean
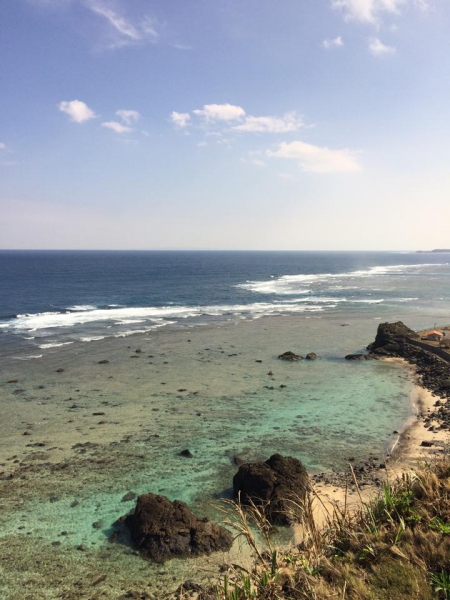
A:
{"x":53,"y":298}
{"x":112,"y":363}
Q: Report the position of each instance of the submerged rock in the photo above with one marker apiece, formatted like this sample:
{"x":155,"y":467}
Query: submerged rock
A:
{"x":280,"y":484}
{"x":359,"y":357}
{"x":289,"y":355}
{"x":129,"y":496}
{"x":161,"y":529}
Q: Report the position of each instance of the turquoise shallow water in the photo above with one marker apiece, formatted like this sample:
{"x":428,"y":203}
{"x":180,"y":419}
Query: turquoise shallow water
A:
{"x":359,"y":420}
{"x":329,"y":411}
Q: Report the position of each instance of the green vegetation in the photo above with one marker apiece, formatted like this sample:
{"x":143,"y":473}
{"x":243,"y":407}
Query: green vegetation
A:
{"x":395,"y":547}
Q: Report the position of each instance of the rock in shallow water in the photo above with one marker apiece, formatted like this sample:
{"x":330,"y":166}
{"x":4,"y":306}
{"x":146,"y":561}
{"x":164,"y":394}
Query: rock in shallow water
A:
{"x":280,"y":484}
{"x":359,"y":357}
{"x":289,"y":355}
{"x":161,"y":529}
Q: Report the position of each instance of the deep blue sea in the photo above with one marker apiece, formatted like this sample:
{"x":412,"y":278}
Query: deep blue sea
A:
{"x":53,"y":297}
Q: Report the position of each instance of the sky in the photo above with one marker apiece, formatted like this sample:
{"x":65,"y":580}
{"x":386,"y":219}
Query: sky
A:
{"x":227,"y":124}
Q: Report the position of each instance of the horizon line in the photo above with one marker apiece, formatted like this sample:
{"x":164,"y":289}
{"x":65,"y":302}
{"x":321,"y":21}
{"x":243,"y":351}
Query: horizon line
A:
{"x":201,"y":250}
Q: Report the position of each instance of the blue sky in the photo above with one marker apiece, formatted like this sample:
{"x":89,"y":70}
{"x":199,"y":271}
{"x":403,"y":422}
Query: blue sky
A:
{"x":269,"y":124}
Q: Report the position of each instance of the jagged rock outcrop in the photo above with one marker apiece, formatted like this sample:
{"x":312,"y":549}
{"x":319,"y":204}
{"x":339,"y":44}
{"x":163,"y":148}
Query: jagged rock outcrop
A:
{"x":390,"y":338}
{"x":280,"y":484}
{"x":161,"y":529}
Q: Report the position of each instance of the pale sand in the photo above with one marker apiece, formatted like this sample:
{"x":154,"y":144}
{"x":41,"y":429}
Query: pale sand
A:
{"x":406,"y":453}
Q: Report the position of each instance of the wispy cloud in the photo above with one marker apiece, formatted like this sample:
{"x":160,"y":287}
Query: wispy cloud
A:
{"x":180,"y":120}
{"x":423,"y":5}
{"x":2,"y":146}
{"x":289,"y":122}
{"x":124,"y":31}
{"x":78,"y":111}
{"x":258,"y":162}
{"x":336,"y":42}
{"x":317,"y":159}
{"x":220,"y":112}
{"x":377,"y":48}
{"x":179,"y":46}
{"x":128,"y":116}
{"x":117,"y":127}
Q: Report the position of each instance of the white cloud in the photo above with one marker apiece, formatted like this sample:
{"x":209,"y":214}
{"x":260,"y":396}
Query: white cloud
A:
{"x":117,"y":127}
{"x":123,"y":31}
{"x":377,"y":48}
{"x":258,"y":163}
{"x":128,"y":116}
{"x":2,"y":146}
{"x":337,"y":42}
{"x":180,"y":120}
{"x":317,"y":159}
{"x":77,"y":110}
{"x":368,"y":11}
{"x":289,"y":122}
{"x":220,"y":112}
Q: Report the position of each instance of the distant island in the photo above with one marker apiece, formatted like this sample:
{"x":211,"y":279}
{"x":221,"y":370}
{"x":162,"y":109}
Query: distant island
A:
{"x":432,"y":251}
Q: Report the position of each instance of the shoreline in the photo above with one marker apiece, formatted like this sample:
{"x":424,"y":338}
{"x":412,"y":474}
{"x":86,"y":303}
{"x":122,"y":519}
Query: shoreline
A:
{"x":406,"y":453}
{"x":408,"y":450}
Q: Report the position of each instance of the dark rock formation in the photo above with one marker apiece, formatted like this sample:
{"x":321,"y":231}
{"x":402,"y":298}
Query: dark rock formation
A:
{"x":187,"y":453}
{"x":311,"y":356}
{"x":390,"y":336}
{"x":280,"y":484}
{"x":290,"y":356}
{"x":161,"y":529}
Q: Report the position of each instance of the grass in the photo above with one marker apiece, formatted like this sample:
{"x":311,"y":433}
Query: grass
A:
{"x":394,"y":547}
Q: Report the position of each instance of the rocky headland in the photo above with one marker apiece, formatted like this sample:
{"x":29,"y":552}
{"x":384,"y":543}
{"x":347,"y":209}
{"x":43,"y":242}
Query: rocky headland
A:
{"x":431,"y":363}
